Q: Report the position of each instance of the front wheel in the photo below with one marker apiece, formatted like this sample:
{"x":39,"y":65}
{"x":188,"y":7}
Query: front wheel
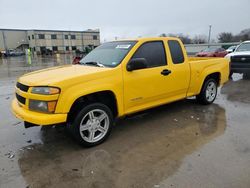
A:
{"x":208,"y":92}
{"x":92,"y":124}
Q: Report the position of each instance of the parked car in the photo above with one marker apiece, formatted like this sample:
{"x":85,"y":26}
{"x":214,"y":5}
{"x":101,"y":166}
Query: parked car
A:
{"x":2,"y":53}
{"x":231,"y":49}
{"x":116,"y":79}
{"x":77,"y":59}
{"x":212,"y":52}
{"x":12,"y":52}
{"x":240,"y":59}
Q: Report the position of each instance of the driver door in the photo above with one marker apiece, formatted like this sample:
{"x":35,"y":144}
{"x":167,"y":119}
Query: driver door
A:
{"x":146,"y":87}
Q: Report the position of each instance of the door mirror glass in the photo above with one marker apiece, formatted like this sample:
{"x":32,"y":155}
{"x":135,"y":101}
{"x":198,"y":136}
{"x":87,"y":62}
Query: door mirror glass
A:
{"x":136,"y":63}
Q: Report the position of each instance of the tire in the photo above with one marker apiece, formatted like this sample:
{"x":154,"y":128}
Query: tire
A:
{"x":230,"y":75}
{"x":208,"y":92}
{"x":92,"y":125}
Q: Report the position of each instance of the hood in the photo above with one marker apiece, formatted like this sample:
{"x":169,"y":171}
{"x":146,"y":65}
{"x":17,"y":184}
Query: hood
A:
{"x":238,"y":53}
{"x":59,"y":74}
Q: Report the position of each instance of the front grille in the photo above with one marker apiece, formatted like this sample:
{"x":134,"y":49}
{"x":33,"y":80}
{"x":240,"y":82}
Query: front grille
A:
{"x":22,"y":87}
{"x":20,"y":99}
{"x":240,"y":59}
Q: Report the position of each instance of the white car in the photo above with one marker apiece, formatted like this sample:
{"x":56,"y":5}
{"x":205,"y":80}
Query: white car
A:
{"x":240,"y":58}
{"x":231,"y":49}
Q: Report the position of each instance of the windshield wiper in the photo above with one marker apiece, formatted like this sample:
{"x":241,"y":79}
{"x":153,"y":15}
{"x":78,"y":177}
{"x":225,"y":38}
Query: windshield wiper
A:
{"x":93,"y":63}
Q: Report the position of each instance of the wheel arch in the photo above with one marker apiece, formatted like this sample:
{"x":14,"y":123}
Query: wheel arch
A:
{"x":214,"y":75}
{"x":106,"y":97}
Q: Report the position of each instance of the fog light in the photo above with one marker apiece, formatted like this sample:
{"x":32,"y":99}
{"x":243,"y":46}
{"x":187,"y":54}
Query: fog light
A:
{"x":42,"y":106}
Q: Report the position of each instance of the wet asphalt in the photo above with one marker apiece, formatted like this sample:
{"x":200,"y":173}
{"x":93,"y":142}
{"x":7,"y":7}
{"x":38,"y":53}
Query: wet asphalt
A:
{"x":182,"y":144}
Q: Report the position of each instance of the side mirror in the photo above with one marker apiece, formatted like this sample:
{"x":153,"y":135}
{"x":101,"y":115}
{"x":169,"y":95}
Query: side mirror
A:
{"x":137,"y":63}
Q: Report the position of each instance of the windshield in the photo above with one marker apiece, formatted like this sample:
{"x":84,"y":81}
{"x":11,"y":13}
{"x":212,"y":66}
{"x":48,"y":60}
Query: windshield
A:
{"x":108,"y":54}
{"x":243,"y":47}
{"x":231,"y":47}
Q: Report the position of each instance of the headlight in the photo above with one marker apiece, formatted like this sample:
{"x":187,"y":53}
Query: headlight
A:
{"x":45,"y":90}
{"x":42,"y":106}
{"x":228,"y":57}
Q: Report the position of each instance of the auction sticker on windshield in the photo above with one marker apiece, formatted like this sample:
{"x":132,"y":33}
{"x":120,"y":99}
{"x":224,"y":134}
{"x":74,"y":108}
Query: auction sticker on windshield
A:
{"x":123,"y":46}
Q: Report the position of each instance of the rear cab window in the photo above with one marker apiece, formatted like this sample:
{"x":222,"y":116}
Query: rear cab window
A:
{"x":153,"y":52}
{"x":176,"y":52}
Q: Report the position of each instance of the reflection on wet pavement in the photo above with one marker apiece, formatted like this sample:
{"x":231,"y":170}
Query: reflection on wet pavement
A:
{"x":182,"y":144}
{"x":238,"y":90}
{"x":141,"y":151}
{"x":16,"y":66}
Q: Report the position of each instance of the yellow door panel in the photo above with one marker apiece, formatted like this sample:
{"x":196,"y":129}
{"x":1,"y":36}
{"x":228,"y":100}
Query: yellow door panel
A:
{"x":151,"y":87}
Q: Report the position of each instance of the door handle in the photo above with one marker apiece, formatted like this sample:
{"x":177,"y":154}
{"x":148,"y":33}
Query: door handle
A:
{"x":165,"y":72}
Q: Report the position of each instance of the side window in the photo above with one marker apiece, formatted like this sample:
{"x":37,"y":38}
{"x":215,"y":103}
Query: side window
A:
{"x":153,"y":52}
{"x":176,"y":51}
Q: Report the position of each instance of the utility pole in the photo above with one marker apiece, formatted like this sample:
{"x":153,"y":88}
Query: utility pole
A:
{"x":4,"y":42}
{"x":209,"y":35}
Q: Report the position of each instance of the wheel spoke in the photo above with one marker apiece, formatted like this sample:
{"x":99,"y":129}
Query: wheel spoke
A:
{"x":102,"y":129}
{"x":102,"y":117}
{"x":91,"y":135}
{"x":84,"y":127}
{"x":207,"y":93}
{"x":91,"y":115}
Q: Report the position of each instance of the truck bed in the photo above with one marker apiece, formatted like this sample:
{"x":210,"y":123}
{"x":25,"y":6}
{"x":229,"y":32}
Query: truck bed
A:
{"x":200,"y":66}
{"x":194,"y":59}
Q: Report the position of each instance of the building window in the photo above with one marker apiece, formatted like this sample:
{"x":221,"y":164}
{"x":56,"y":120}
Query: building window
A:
{"x":54,"y":48}
{"x":43,"y":50}
{"x":73,"y":37}
{"x":41,"y":36}
{"x":32,"y":36}
{"x":67,"y":48}
{"x":73,"y":47}
{"x":94,"y":37}
{"x":53,"y":36}
{"x":29,"y":37}
{"x":34,"y":49}
{"x":66,"y":36}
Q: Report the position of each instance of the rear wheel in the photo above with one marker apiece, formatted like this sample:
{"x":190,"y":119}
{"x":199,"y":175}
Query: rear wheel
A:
{"x":92,"y":124}
{"x":208,"y":92}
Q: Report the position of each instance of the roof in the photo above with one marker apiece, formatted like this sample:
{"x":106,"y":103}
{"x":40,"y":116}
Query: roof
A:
{"x":144,"y":39}
{"x":42,"y":30}
{"x":247,"y":41}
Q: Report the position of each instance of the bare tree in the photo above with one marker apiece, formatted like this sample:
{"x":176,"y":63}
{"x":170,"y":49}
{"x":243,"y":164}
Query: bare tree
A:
{"x":163,"y":35}
{"x":184,"y":38}
{"x":199,"y":39}
{"x":225,"y":37}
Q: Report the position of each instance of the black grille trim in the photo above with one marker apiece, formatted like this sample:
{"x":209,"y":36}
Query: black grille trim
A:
{"x":241,"y":59}
{"x":20,"y":99}
{"x":22,"y":87}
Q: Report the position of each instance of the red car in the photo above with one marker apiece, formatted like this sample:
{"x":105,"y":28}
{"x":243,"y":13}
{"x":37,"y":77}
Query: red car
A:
{"x":212,"y":52}
{"x":77,"y":60}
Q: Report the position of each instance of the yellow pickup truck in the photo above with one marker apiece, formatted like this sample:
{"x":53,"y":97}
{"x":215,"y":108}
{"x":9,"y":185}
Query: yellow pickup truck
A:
{"x":116,"y":79}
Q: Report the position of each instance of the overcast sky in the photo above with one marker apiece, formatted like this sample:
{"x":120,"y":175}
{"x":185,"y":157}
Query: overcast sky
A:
{"x":128,"y":18}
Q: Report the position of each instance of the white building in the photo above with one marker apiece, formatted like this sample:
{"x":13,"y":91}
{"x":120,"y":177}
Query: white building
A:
{"x":55,"y":40}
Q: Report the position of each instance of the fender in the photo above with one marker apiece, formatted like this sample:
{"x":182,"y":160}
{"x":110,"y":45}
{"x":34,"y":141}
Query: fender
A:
{"x":67,"y":99}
